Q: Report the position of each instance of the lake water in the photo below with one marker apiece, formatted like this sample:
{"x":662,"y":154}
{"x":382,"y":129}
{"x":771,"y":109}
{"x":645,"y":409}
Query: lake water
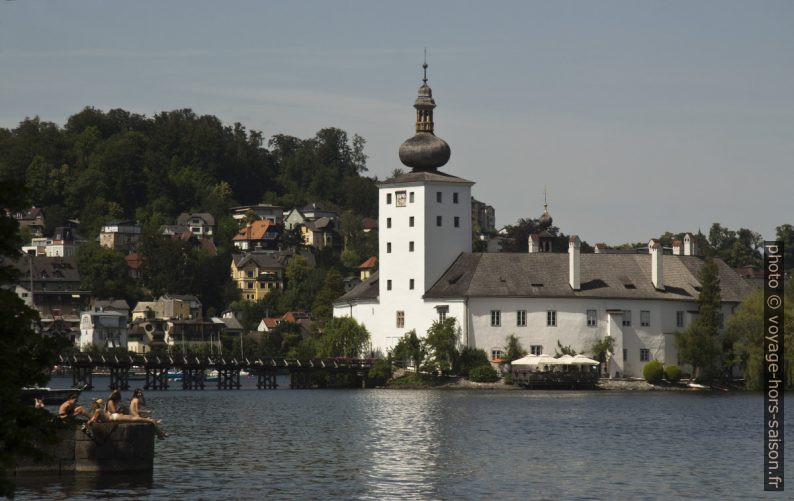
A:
{"x":441,"y":444}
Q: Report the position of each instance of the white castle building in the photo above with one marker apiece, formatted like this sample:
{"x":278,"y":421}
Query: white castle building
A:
{"x":427,"y":272}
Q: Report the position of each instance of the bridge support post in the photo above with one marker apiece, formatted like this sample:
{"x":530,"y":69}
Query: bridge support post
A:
{"x":82,"y":376}
{"x":156,"y":378}
{"x":266,"y":380}
{"x":228,"y":379}
{"x":120,"y":377}
{"x":192,"y":378}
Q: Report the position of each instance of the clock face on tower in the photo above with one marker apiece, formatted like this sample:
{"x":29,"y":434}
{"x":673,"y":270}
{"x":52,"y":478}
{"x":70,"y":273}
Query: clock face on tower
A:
{"x":400,"y":199}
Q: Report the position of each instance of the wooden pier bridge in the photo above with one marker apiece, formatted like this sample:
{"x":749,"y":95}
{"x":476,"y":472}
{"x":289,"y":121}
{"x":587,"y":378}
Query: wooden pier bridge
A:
{"x":155,"y":369}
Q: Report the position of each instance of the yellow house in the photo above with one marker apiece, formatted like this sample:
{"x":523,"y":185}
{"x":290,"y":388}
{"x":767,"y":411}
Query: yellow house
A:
{"x":256,"y":274}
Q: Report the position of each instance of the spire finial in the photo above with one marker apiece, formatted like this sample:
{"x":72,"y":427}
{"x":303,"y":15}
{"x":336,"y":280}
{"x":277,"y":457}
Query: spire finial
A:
{"x":545,"y":199}
{"x":424,"y":67}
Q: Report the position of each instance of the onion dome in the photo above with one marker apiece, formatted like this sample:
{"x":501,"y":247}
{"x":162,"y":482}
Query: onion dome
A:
{"x":424,"y":151}
{"x":545,"y":219}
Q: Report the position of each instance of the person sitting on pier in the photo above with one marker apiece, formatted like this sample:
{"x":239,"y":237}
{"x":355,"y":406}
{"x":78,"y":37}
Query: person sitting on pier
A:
{"x":136,"y":402}
{"x":99,"y":415}
{"x":114,"y":404}
{"x":70,"y":408}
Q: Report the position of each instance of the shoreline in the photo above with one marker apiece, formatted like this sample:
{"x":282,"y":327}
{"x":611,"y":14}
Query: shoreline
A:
{"x":607,"y":385}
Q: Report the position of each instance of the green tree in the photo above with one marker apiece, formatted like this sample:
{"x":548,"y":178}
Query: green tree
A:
{"x":785,"y":233}
{"x":342,"y":337}
{"x":700,"y":345}
{"x":333,"y":287}
{"x":25,"y":355}
{"x":104,"y":272}
{"x":169,"y":265}
{"x":602,"y":348}
{"x":469,"y":358}
{"x":746,"y":327}
{"x":513,"y":349}
{"x":441,"y":345}
{"x":561,"y":350}
{"x":409,"y":348}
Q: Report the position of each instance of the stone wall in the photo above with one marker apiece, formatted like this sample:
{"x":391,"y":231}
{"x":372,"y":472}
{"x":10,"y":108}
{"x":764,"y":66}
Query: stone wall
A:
{"x":113,"y":448}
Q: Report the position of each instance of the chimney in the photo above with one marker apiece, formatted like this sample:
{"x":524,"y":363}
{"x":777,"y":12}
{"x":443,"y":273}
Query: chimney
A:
{"x":689,"y":245}
{"x":600,"y":248}
{"x":574,"y":244}
{"x":677,"y":247}
{"x":657,"y":270}
{"x":534,"y":244}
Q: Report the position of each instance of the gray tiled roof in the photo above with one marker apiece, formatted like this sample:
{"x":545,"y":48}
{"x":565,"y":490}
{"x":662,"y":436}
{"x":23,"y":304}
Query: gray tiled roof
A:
{"x":415,"y":177}
{"x":368,"y":289}
{"x":184,"y":218}
{"x":602,"y":276}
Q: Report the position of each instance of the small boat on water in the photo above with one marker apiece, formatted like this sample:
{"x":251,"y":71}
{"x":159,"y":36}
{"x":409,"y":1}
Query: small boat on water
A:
{"x":50,"y":396}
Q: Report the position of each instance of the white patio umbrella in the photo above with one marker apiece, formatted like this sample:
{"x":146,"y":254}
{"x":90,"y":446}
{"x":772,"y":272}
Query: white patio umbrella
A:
{"x":583,"y":360}
{"x":527,"y":360}
{"x":565,"y":360}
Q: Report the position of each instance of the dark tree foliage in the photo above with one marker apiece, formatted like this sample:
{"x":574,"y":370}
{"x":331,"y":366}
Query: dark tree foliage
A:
{"x":409,"y":349}
{"x":785,"y":233}
{"x":700,"y":345}
{"x":104,"y":273}
{"x":736,"y":248}
{"x":518,"y":235}
{"x":118,"y":164}
{"x":513,"y":348}
{"x":25,"y":355}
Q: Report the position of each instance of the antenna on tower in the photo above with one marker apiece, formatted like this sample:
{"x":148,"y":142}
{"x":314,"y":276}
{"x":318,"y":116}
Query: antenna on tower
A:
{"x":424,"y":67}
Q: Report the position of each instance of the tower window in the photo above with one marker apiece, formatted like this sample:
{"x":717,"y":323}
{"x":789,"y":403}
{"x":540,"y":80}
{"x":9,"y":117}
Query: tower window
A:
{"x":438,"y":220}
{"x":400,"y":319}
{"x":410,"y":246}
{"x":454,"y":198}
{"x":388,"y":285}
{"x":388,"y":198}
{"x":411,"y":284}
{"x":388,"y":247}
{"x":411,"y":221}
{"x":388,"y":222}
{"x":438,"y":196}
{"x":411,"y":197}
{"x":457,"y":222}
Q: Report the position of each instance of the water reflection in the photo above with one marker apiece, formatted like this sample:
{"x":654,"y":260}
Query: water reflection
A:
{"x":400,"y":436}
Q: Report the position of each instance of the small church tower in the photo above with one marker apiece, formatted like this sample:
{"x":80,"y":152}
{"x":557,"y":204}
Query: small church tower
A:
{"x":424,"y":217}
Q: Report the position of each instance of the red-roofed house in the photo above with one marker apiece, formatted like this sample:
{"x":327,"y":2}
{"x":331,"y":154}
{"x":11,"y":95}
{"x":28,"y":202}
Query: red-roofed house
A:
{"x":368,"y":267}
{"x":294,"y":317}
{"x":260,"y":234}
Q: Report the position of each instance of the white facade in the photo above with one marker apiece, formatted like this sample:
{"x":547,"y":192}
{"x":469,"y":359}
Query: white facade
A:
{"x":104,"y":329}
{"x":424,"y":221}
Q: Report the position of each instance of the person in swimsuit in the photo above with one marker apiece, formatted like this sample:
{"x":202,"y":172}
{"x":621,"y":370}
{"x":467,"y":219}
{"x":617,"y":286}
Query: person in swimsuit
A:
{"x":136,"y":402}
{"x":70,"y":408}
{"x":114,"y":407}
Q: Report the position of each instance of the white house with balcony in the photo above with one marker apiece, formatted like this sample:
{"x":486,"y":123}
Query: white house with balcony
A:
{"x":103,"y":329}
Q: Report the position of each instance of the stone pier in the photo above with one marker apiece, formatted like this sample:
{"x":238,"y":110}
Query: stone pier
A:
{"x":112,"y":448}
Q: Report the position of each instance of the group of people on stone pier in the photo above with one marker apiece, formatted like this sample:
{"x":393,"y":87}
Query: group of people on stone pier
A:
{"x":109,"y":411}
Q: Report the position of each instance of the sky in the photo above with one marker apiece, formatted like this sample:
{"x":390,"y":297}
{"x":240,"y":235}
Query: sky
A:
{"x":639,"y":117}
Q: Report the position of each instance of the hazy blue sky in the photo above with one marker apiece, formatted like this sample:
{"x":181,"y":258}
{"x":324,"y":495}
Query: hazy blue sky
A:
{"x":640,"y":117}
